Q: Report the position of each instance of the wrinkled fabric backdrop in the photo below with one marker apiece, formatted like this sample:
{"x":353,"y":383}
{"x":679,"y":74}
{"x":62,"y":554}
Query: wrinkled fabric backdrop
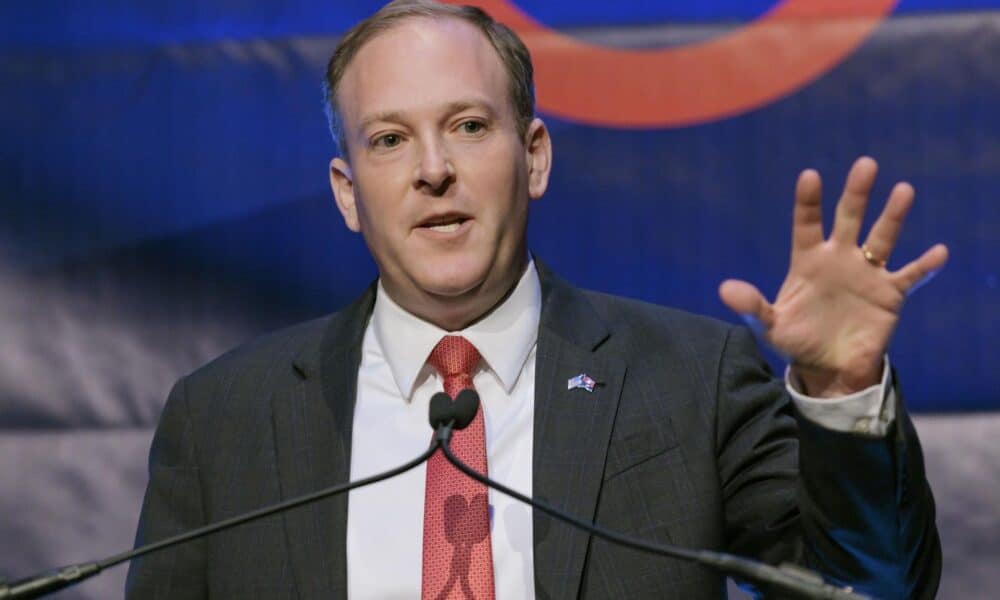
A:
{"x":164,"y":197}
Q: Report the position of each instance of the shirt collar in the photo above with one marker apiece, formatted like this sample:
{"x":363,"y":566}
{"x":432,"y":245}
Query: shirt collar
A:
{"x":504,"y":337}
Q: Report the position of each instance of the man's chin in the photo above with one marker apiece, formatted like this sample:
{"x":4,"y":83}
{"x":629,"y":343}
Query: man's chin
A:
{"x":451,"y":289}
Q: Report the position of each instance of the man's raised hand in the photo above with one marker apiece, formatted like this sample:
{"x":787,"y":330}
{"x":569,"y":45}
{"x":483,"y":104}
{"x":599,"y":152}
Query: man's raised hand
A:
{"x":838,"y":306}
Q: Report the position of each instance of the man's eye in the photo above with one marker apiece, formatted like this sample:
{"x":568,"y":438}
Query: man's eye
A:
{"x":472,"y":127}
{"x":389,"y":140}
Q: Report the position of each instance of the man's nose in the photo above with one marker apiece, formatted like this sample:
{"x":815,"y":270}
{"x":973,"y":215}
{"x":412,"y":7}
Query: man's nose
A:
{"x":435,"y":170}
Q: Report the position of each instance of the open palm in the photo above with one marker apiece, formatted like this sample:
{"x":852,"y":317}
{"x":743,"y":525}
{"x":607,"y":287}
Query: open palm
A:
{"x":838,"y":306}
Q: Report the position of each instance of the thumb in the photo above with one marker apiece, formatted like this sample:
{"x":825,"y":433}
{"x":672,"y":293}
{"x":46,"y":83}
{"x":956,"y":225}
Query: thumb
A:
{"x":747,"y":301}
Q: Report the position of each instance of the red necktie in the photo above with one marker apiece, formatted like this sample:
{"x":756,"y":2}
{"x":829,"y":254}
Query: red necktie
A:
{"x":458,"y":555}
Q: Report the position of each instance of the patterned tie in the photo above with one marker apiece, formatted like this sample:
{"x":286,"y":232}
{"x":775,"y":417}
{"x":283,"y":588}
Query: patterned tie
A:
{"x":458,"y":555}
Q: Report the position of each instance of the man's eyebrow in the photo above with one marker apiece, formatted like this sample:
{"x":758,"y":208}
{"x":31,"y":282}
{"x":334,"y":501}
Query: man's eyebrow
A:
{"x":458,"y":106}
{"x":388,"y":115}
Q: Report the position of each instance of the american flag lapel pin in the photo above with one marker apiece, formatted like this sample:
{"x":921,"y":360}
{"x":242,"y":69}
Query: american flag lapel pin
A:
{"x":582,"y":381}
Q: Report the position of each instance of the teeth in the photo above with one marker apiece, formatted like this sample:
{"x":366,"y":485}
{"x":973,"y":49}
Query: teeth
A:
{"x":448,"y":228}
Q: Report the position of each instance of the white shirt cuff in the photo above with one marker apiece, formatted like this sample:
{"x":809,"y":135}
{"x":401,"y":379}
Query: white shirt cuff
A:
{"x":869,"y":411}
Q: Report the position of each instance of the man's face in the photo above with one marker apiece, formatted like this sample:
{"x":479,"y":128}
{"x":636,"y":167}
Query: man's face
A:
{"x":439,"y":179}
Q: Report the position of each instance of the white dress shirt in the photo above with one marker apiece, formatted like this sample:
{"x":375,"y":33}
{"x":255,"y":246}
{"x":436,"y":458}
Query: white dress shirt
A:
{"x":385,"y":520}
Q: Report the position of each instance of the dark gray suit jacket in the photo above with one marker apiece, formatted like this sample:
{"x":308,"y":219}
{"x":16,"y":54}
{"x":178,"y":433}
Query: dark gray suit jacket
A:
{"x":689,"y":440}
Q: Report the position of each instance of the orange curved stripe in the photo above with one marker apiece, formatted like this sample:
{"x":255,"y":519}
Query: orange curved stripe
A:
{"x":785,"y":49}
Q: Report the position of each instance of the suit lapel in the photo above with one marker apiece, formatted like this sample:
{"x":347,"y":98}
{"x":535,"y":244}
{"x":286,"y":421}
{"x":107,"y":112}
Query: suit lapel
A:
{"x":313,"y":422}
{"x":572,"y":429}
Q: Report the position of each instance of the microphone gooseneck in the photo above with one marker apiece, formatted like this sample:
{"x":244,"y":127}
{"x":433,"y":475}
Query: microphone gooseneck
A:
{"x":444,"y":416}
{"x":788,"y":578}
{"x":48,"y":582}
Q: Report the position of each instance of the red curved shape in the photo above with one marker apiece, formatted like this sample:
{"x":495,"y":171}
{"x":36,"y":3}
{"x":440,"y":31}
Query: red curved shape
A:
{"x":791,"y":45}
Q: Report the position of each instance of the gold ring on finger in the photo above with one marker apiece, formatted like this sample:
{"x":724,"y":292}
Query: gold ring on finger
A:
{"x":871,"y":258}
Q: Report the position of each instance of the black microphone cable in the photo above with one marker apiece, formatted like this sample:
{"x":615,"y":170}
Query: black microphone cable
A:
{"x":46,"y":583}
{"x":443,"y":415}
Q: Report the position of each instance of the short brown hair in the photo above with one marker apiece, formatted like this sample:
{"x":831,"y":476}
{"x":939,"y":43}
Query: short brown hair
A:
{"x":509,"y":47}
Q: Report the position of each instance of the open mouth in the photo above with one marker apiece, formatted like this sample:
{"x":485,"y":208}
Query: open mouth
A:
{"x":448,"y":223}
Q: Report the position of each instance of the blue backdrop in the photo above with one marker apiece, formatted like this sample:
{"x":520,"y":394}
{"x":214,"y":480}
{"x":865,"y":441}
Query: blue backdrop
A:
{"x":164,"y":196}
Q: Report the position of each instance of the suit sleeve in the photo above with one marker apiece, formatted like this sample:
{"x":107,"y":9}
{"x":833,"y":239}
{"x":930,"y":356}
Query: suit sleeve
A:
{"x":172,"y":505}
{"x":858,"y":509}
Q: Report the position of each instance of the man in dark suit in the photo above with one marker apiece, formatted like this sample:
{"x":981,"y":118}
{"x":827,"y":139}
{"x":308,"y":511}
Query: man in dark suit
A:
{"x":647,"y":420}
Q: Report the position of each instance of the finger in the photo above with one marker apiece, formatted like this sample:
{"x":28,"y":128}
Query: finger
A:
{"x":884,"y":233}
{"x":807,"y":219}
{"x":919,"y":272}
{"x":851,"y":207}
{"x":745,"y":299}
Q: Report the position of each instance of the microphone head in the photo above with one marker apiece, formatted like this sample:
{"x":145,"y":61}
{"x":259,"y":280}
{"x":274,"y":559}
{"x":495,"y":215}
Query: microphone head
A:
{"x":441,"y":411}
{"x":465,"y":407}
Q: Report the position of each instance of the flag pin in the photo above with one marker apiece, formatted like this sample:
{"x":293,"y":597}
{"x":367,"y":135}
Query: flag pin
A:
{"x":583,"y":381}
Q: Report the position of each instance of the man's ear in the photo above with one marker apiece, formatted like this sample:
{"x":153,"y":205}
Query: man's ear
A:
{"x":538,"y":147}
{"x":342,"y":184}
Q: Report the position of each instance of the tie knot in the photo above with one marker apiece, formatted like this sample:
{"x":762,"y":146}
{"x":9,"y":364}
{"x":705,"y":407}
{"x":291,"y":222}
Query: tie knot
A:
{"x":454,"y":355}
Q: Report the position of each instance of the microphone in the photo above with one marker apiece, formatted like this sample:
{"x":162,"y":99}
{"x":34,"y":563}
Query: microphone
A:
{"x":457,"y":413}
{"x":788,"y":578}
{"x":441,"y":412}
{"x":465,"y":407}
{"x":447,"y":415}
